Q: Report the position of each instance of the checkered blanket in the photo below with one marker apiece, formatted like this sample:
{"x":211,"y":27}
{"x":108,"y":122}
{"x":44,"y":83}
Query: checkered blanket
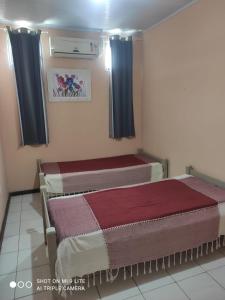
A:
{"x":125,"y":226}
{"x":95,"y":174}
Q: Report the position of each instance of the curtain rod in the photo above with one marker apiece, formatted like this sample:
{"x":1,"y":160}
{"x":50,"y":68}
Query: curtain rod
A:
{"x":135,"y":38}
{"x":23,"y":29}
{"x":6,"y":29}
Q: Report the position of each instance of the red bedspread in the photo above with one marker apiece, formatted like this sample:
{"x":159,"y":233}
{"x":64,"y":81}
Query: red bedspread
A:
{"x":122,"y":227}
{"x":92,"y":164}
{"x":150,"y":201}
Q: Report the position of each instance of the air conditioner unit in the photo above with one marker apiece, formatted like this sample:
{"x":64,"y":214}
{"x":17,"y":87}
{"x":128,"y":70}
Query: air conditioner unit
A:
{"x":74,"y":48}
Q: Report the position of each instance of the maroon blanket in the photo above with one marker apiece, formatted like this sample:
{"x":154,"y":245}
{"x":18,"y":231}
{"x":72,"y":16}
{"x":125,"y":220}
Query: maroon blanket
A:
{"x":132,"y":225}
{"x":122,"y":206}
{"x":146,"y":202}
{"x":93,"y":164}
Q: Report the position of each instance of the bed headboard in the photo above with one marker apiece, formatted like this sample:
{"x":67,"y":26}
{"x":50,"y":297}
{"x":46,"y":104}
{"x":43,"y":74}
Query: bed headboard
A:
{"x":191,"y":171}
{"x":163,"y":161}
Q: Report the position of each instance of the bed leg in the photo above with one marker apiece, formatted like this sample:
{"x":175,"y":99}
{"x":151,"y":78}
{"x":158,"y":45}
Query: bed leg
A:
{"x":52,"y":247}
{"x":43,"y":194}
{"x":42,"y":178}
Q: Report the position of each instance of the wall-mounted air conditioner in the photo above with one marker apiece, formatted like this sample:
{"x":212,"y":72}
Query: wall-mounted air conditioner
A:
{"x":74,"y":47}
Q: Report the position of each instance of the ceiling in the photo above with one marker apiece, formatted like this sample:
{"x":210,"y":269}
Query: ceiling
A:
{"x":89,"y":14}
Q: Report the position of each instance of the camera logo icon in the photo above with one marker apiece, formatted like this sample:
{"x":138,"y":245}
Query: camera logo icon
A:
{"x":21,"y":284}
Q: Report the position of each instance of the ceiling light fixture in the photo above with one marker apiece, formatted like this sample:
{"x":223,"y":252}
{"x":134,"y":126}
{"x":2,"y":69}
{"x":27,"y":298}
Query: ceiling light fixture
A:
{"x":122,"y":32}
{"x":115,"y":31}
{"x":23,"y":23}
{"x":98,"y":1}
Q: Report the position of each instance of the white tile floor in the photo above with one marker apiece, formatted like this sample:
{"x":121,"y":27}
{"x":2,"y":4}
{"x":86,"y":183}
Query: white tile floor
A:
{"x":23,"y":258}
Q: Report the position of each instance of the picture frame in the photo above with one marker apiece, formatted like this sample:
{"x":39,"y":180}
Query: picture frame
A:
{"x":70,"y":85}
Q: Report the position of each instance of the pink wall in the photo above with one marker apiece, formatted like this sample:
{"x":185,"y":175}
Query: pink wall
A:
{"x":184,"y":89}
{"x":77,"y":130}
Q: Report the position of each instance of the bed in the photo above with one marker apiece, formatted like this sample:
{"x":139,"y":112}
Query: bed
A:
{"x":91,"y":232}
{"x":63,"y":178}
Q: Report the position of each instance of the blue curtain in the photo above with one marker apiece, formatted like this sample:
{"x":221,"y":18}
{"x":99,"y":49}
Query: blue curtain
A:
{"x":26,"y":57}
{"x":121,"y":104}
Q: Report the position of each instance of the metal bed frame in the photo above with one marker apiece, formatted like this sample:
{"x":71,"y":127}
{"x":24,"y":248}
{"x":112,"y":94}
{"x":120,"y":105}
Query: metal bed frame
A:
{"x":51,"y":231}
{"x":164,"y":163}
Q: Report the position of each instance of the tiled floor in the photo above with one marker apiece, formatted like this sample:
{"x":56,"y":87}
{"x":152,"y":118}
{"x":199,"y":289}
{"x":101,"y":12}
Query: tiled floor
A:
{"x":23,"y":258}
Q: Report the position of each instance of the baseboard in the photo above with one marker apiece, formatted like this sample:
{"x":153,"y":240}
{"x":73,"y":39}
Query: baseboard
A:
{"x":4,"y":221}
{"x":18,"y":193}
{"x":2,"y":229}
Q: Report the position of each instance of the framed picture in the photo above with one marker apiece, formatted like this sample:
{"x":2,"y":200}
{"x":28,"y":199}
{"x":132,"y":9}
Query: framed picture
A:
{"x":69,"y":85}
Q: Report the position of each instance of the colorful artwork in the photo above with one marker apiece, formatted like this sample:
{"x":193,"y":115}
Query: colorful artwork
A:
{"x":69,"y":85}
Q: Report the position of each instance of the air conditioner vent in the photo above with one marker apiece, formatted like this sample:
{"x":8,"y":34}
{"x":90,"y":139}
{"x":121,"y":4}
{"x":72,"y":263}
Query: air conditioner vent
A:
{"x":74,"y":47}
